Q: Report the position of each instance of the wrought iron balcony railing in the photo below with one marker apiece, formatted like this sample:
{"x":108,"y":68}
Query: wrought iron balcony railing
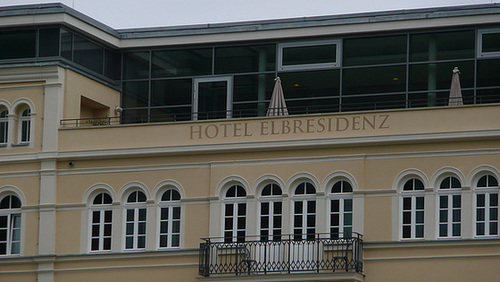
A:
{"x":282,"y":254}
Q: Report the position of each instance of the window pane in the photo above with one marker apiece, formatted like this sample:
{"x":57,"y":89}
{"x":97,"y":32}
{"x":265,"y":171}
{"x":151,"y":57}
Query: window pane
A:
{"x":348,"y":205}
{"x":491,"y":42}
{"x":374,"y":80}
{"x":256,"y":88}
{"x":17,"y":44}
{"x":176,"y":226}
{"x":381,"y":50}
{"x":188,"y":62}
{"x":419,"y":231}
{"x":335,"y":205}
{"x":315,"y":54}
{"x":256,"y":58}
{"x":456,"y":229}
{"x":112,"y":64}
{"x":171,"y":92}
{"x":141,"y":242}
{"x":442,"y":46}
{"x":49,"y":42}
{"x":66,"y":44}
{"x":406,"y":231}
{"x":136,"y":65}
{"x":438,"y":76}
{"x":443,"y":230}
{"x":348,"y":219}
{"x":88,"y":54}
{"x":135,"y":94}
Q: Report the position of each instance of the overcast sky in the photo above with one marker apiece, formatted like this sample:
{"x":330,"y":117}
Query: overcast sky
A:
{"x":155,"y":13}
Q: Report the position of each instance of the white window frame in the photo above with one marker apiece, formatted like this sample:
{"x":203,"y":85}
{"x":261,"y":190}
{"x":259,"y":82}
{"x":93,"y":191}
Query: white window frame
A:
{"x":305,"y":199}
{"x":271,"y":200}
{"x":449,"y":193}
{"x":480,"y":53}
{"x":22,"y":121}
{"x":13,"y":215}
{"x":136,"y":207}
{"x":235,"y":202}
{"x":101,"y":209}
{"x":5,"y":122}
{"x":169,"y":206}
{"x":486,"y":191}
{"x":336,"y":64}
{"x":341,"y":197}
{"x":413,"y":195}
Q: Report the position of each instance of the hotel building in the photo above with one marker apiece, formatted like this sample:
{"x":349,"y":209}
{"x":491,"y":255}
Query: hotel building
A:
{"x":146,"y":154}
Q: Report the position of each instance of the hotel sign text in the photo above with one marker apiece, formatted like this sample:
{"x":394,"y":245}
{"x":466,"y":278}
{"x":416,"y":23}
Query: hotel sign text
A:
{"x":290,"y":126}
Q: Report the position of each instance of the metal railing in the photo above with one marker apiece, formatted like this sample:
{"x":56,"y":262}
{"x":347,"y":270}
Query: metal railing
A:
{"x":282,"y":254}
{"x":83,"y":122}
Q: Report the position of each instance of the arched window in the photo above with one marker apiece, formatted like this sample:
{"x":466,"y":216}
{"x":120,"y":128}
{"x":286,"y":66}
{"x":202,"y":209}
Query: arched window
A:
{"x":450,"y":207}
{"x":341,"y":210}
{"x":304,"y":212}
{"x":170,"y":219}
{"x":235,"y":211}
{"x":412,"y":198}
{"x":25,"y":126}
{"x":271,"y":213}
{"x":101,"y":222}
{"x":4,"y":126}
{"x":486,"y":206}
{"x":135,"y":221}
{"x":10,"y":225}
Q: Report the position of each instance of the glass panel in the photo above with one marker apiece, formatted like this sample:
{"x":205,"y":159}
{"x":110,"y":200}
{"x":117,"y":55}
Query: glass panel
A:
{"x":419,"y":217}
{"x":88,"y":54}
{"x":335,"y":205}
{"x":457,"y":214}
{"x":107,"y":244}
{"x":163,"y":240}
{"x":443,"y":216}
{"x":134,"y":116}
{"x":129,"y":242}
{"x":493,"y":213}
{"x":175,"y":240}
{"x":188,"y":62}
{"x":135,"y":94}
{"x":374,"y":50}
{"x":264,"y":208}
{"x":112,"y":64}
{"x":480,"y":200}
{"x":419,"y":231}
{"x":374,"y":80}
{"x":176,"y":226}
{"x":142,"y":228}
{"x":264,"y":222}
{"x":480,"y":229}
{"x":17,"y":44}
{"x":95,"y":230}
{"x":256,"y":88}
{"x":107,"y":230}
{"x":141,"y":242}
{"x":348,"y":219}
{"x":66,"y":44}
{"x":316,"y":54}
{"x":442,"y":46}
{"x":406,"y":217}
{"x":456,"y":230}
{"x":406,"y":231}
{"x":164,"y":227}
{"x":311,"y":84}
{"x":457,"y":201}
{"x":254,"y":58}
{"x":420,"y":203}
{"x":277,"y":208}
{"x":438,"y":75}
{"x":242,"y":208}
{"x":130,"y":229}
{"x":443,"y":201}
{"x":493,"y":228}
{"x":142,"y":214}
{"x":443,"y":230}
{"x":480,"y":214}
{"x":48,"y":44}
{"x":136,"y":65}
{"x":406,"y":204}
{"x":491,"y":42}
{"x":348,"y":205}
{"x":212,"y":99}
{"x":130,"y":214}
{"x":177,"y":213}
{"x":95,"y":244}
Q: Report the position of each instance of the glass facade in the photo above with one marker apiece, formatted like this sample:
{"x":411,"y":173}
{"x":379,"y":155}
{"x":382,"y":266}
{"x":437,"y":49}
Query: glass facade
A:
{"x":329,"y":74}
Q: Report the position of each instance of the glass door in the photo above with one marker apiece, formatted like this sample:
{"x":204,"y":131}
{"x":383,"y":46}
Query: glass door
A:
{"x":212,"y":98}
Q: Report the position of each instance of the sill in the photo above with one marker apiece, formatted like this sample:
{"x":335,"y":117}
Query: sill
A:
{"x":24,"y":144}
{"x":3,"y":145}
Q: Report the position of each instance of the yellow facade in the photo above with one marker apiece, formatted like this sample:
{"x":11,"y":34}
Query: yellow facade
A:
{"x":57,"y":175}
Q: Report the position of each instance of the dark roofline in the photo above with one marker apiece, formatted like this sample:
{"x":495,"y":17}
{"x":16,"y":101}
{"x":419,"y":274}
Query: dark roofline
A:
{"x":260,"y":25}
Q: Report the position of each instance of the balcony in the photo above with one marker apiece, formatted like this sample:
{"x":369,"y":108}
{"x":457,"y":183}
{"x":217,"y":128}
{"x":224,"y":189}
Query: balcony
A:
{"x":282,"y":254}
